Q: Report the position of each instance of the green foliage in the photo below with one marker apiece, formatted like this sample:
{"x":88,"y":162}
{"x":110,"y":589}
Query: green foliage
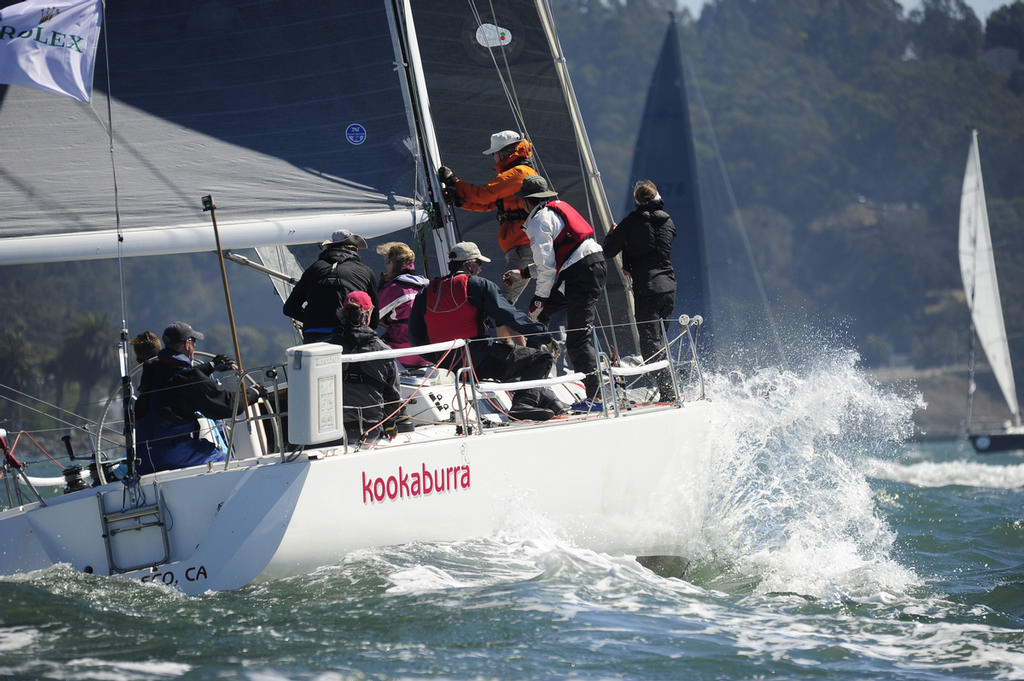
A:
{"x":844,"y":128}
{"x":947,"y":27}
{"x":1005,"y":26}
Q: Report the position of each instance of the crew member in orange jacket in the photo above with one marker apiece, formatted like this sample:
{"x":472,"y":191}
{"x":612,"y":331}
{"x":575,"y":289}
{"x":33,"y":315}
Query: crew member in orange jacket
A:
{"x":511,"y":153}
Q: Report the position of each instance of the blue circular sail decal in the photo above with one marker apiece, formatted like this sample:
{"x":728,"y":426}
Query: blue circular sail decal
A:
{"x":355,"y":133}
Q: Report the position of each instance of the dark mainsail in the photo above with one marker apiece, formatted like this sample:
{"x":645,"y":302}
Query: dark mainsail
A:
{"x":479,"y":87}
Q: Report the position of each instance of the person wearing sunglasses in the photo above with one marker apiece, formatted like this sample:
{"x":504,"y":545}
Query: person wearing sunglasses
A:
{"x":174,"y":392}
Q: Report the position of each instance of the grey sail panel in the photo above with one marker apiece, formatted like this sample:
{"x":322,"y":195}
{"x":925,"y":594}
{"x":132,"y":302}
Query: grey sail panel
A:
{"x":246,"y":101}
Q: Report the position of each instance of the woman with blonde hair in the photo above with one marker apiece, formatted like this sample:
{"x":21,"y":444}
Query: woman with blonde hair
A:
{"x":396,"y":290}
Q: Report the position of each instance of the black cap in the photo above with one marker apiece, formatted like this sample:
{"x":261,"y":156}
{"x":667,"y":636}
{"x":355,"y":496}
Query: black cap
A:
{"x":178,"y":332}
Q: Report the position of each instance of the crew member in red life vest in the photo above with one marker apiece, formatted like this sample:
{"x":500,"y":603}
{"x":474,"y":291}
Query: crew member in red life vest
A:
{"x":570,"y":272}
{"x":459,"y":305}
{"x":512,"y":163}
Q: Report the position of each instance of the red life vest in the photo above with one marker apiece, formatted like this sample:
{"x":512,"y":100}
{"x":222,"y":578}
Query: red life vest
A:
{"x":575,"y":232}
{"x":449,"y":314}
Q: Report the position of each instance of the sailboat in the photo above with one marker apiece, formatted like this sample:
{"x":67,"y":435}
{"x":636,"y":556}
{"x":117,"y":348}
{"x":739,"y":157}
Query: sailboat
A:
{"x":299,"y":119}
{"x":981,"y":288}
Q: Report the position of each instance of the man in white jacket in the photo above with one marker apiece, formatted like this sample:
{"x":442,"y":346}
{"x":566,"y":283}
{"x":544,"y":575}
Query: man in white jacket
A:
{"x":570,"y":270}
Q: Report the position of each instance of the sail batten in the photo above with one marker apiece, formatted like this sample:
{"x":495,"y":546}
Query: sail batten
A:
{"x":981,"y":286}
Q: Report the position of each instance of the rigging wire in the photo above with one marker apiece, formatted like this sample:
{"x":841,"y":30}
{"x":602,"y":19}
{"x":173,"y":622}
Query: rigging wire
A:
{"x":48,"y":404}
{"x":126,"y":385}
{"x":504,"y":72}
{"x":691,"y":78}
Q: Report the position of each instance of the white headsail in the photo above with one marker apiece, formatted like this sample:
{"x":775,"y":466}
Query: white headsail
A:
{"x":978,"y":269}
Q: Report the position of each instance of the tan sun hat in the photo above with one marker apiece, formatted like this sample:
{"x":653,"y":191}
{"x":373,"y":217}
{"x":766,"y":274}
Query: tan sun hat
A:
{"x":466,"y":250}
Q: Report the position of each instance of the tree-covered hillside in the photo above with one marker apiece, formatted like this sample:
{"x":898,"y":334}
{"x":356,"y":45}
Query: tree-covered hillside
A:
{"x":844,"y":129}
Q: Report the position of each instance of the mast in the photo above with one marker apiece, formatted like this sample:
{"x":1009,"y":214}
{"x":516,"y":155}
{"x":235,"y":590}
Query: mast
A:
{"x":599,"y":200}
{"x":446,"y":231}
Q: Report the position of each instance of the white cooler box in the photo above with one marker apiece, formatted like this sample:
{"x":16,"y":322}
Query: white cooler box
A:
{"x":315,"y":393}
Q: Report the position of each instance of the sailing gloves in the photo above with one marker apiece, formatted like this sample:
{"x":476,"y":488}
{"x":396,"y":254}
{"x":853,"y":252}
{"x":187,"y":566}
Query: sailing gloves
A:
{"x":513,"y":277}
{"x":223,"y":363}
{"x":536,"y":307}
{"x":447,"y":177}
{"x":218,"y":363}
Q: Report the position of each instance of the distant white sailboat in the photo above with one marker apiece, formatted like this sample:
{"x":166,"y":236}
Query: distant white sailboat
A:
{"x":981,"y":287}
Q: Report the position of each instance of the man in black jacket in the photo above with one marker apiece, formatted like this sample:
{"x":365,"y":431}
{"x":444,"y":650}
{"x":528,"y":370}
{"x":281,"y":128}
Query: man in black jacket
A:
{"x":320,"y":294}
{"x":173,"y":391}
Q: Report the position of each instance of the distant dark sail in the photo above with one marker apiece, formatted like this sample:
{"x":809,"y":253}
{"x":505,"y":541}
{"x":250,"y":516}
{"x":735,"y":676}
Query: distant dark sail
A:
{"x":665,"y":155}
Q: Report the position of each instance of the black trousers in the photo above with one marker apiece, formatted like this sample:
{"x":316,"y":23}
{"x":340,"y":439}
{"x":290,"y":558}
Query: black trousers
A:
{"x":652,"y":310}
{"x":506,"y":362}
{"x":584,"y":281}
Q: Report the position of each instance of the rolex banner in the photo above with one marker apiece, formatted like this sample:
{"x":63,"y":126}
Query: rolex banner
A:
{"x":50,"y":45}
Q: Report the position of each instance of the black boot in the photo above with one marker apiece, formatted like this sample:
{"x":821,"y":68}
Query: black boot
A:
{"x":525,"y":407}
{"x":547,"y":400}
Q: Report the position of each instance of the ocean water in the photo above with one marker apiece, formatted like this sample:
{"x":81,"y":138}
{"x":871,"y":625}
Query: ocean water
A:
{"x":832,"y":549}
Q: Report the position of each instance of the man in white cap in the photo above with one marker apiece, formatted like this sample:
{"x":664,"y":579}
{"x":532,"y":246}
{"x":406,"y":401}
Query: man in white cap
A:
{"x":460,"y":305}
{"x":320,"y":294}
{"x":511,"y":154}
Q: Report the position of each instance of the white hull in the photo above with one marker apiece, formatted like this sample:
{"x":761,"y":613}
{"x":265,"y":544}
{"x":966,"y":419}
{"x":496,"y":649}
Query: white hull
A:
{"x":634,"y":484}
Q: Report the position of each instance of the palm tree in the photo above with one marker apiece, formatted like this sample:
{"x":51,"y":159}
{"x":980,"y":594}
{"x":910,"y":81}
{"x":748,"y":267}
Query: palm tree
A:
{"x":18,"y":373}
{"x":87,"y":356}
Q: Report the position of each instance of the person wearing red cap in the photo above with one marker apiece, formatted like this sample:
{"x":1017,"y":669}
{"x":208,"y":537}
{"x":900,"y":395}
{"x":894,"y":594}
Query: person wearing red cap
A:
{"x":371,"y":393}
